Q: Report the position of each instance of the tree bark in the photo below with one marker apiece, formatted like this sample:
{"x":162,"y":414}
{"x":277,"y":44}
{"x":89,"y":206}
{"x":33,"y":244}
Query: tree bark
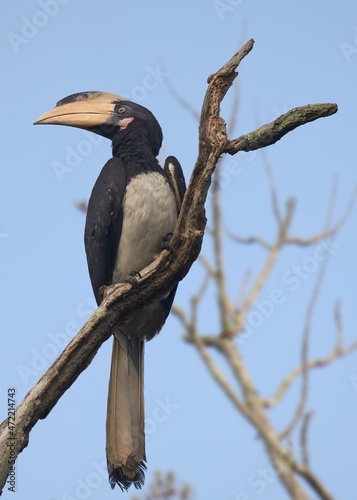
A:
{"x":121,"y":301}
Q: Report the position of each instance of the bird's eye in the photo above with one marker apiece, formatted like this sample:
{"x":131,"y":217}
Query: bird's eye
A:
{"x":121,"y":109}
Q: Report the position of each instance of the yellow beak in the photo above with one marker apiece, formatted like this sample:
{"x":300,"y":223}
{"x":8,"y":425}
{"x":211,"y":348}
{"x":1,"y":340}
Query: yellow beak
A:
{"x":84,"y":110}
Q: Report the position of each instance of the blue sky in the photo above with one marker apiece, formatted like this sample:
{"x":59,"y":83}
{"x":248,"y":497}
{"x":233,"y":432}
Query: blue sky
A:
{"x":305,"y":52}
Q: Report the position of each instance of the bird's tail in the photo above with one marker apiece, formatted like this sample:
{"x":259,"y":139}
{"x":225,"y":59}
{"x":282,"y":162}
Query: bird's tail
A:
{"x":125,"y":414}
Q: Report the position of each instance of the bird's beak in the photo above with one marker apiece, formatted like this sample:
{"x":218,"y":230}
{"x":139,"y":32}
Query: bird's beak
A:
{"x":86,"y":110}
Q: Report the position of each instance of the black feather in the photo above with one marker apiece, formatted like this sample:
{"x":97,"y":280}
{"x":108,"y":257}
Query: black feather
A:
{"x":104,"y":222}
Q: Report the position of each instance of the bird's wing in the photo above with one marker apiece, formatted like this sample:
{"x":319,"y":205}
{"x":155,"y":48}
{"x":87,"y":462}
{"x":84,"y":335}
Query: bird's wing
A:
{"x":174,"y":173}
{"x":104,"y":223}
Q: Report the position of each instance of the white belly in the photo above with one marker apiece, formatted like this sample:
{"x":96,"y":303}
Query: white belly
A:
{"x":149,"y":213}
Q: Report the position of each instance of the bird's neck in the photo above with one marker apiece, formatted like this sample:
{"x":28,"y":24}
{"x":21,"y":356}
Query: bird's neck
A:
{"x":130,"y":146}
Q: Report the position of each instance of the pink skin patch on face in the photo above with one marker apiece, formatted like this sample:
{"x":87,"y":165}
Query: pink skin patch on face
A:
{"x":125,"y":122}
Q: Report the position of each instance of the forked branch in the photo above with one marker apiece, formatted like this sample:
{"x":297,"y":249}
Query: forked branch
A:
{"x":172,"y":266}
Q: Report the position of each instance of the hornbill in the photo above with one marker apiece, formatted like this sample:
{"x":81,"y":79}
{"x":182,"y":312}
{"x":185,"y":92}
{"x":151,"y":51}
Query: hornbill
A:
{"x":131,"y":214}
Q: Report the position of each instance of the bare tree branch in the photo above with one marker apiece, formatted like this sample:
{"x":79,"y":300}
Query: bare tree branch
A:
{"x":274,"y":249}
{"x":121,"y":301}
{"x":196,"y":299}
{"x":336,"y":353}
{"x":273,"y":190}
{"x":255,"y":413}
{"x":243,"y":290}
{"x":167,"y":487}
{"x":312,"y":480}
{"x":250,"y":240}
{"x":339,"y":328}
{"x":304,"y":355}
{"x":327,"y":233}
{"x":297,"y":240}
{"x":184,"y":103}
{"x":274,"y":131}
{"x":338,"y":350}
{"x":217,"y":374}
{"x":251,"y":403}
{"x":303,"y":438}
{"x":270,"y":260}
{"x":206,"y":264}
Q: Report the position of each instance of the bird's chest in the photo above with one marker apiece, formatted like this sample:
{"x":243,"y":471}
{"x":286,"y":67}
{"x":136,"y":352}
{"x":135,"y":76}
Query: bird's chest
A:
{"x":149,"y":213}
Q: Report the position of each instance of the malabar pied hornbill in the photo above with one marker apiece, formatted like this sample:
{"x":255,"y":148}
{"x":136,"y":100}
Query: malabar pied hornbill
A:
{"x":133,"y":208}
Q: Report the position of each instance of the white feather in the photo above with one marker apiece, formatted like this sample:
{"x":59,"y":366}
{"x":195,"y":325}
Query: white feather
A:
{"x":149,"y":213}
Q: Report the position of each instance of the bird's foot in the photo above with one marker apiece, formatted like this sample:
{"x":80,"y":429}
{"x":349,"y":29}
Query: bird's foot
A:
{"x":103,"y":290}
{"x":165,"y":244}
{"x":131,"y":278}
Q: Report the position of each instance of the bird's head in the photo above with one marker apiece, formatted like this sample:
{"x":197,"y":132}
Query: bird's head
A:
{"x":105,"y":114}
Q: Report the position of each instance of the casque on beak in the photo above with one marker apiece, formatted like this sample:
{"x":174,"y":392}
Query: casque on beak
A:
{"x":86,"y":110}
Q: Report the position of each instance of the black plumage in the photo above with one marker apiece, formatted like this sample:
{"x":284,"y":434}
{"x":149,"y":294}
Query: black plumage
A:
{"x":132,"y":210}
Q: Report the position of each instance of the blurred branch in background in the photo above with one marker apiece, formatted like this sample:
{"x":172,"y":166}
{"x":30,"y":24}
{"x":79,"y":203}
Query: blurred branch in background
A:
{"x":232,"y":316}
{"x":166,"y":487}
{"x":122,"y":301}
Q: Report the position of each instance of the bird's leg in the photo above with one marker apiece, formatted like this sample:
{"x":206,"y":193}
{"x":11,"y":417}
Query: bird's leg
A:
{"x":131,"y":278}
{"x":165,"y":244}
{"x":103,"y":290}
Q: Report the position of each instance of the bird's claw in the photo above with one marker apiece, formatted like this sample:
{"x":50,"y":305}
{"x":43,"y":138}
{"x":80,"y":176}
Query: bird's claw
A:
{"x":131,"y":278}
{"x":165,"y":244}
{"x":103,"y":290}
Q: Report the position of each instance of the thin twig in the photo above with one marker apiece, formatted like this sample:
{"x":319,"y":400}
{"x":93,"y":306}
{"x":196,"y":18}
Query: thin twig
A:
{"x":327,"y":233}
{"x":181,"y":100}
{"x":303,"y":438}
{"x":298,"y":240}
{"x":181,"y":316}
{"x":207,"y":265}
{"x":272,"y":186}
{"x":339,"y":327}
{"x":250,"y":240}
{"x":280,"y":456}
{"x":336,"y":353}
{"x":218,"y":376}
{"x":233,"y":115}
{"x":243,"y":289}
{"x":196,"y":299}
{"x":220,"y":281}
{"x":269,"y":263}
{"x":312,"y":480}
{"x":307,"y":329}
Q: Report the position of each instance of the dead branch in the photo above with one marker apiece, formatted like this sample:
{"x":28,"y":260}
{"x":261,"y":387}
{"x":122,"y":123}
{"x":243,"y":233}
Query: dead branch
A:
{"x":307,"y":332}
{"x":305,"y":354}
{"x":337,"y":352}
{"x":250,"y":240}
{"x":273,"y":190}
{"x":274,"y":131}
{"x":122,"y":301}
{"x":183,"y":102}
{"x":303,"y":438}
{"x":268,"y":265}
{"x":282,"y":239}
{"x":249,"y":403}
